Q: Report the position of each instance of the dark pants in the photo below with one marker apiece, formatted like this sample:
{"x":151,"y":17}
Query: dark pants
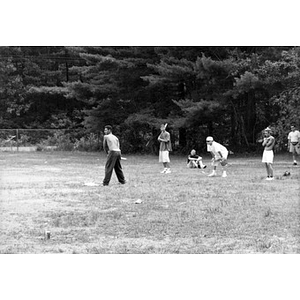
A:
{"x":113,"y":162}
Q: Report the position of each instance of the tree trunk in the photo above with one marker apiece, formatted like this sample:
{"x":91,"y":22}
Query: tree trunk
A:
{"x":182,"y":137}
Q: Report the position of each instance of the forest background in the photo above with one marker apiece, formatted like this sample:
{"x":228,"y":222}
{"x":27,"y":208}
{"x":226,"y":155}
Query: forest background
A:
{"x":231,"y":93}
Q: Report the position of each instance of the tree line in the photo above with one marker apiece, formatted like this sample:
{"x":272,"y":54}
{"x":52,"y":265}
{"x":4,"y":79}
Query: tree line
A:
{"x":231,"y":93}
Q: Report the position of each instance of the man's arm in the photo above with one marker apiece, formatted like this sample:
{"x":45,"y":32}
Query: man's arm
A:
{"x":105,"y":146}
{"x":166,"y":139}
{"x":270,"y":141}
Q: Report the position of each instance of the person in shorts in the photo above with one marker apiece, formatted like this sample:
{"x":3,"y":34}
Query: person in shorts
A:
{"x":219,"y":156}
{"x":294,"y":143}
{"x":195,"y":161}
{"x":268,"y":154}
{"x":164,"y":148}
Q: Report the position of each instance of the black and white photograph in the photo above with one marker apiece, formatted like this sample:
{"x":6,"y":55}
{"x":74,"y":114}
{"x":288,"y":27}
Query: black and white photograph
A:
{"x":159,"y":155}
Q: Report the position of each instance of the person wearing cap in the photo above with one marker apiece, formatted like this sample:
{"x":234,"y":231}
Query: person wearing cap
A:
{"x":268,"y":154}
{"x":219,"y":156}
{"x":111,"y":147}
{"x":164,"y":148}
{"x":294,"y":143}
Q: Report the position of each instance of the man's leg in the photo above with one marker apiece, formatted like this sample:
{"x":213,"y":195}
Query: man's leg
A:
{"x":118,"y":170}
{"x":213,"y":173}
{"x":200,"y":163}
{"x":271,"y":171}
{"x":294,"y":155}
{"x":109,"y":166}
{"x":267,"y":168}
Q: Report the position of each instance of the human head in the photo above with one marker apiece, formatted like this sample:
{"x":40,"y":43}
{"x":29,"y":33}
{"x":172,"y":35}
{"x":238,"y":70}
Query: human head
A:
{"x":209,"y":140}
{"x":293,"y":127}
{"x":193,"y":152}
{"x":267,"y":131}
{"x":107,"y":129}
{"x":162,"y":127}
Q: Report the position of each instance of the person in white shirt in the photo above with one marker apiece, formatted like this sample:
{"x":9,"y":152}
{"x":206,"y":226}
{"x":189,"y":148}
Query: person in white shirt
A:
{"x":294,"y":143}
{"x":219,"y":156}
{"x":111,"y":146}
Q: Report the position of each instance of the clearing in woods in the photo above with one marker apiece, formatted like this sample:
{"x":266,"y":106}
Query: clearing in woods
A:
{"x":181,"y":212}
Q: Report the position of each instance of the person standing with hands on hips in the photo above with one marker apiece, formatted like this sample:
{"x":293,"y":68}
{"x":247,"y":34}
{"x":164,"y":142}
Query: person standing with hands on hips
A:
{"x":268,"y":154}
{"x":294,"y":143}
{"x":111,"y":147}
{"x":164,"y":148}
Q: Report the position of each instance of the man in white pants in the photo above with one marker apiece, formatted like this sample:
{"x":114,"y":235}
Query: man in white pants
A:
{"x":294,"y":143}
{"x":219,"y":155}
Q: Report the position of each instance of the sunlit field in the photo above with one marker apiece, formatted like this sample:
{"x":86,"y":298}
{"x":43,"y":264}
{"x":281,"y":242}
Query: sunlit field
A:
{"x":181,"y":212}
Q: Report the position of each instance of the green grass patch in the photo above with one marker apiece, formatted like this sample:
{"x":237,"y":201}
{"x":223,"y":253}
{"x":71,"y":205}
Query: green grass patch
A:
{"x":182,"y":212}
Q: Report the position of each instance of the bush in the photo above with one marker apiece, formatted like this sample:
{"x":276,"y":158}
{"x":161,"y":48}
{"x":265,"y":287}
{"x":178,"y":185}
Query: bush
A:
{"x":90,"y":142}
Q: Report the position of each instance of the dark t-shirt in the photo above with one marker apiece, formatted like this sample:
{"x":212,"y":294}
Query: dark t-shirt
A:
{"x":192,"y":156}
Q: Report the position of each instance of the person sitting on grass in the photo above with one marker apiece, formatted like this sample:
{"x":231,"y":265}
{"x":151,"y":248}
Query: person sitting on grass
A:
{"x":219,"y":155}
{"x":195,"y":161}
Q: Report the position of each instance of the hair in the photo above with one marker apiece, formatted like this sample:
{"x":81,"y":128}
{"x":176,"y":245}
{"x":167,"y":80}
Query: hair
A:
{"x":109,"y":127}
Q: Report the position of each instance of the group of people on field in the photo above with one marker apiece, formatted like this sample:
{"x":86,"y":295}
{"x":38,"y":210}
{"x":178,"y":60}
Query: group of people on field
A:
{"x":219,"y":153}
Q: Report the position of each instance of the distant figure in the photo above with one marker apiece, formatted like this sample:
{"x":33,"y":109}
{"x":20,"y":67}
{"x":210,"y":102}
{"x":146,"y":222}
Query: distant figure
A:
{"x":219,"y":156}
{"x":268,"y":154}
{"x":195,"y":161}
{"x":164,"y":148}
{"x":294,"y":143}
{"x":111,"y":147}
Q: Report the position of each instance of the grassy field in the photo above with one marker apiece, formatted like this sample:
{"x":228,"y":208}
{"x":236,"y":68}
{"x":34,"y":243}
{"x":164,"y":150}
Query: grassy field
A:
{"x":181,"y":212}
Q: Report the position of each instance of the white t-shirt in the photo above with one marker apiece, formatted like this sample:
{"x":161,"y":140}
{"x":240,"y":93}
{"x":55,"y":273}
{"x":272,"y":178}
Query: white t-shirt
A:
{"x":216,"y":147}
{"x":294,"y":136}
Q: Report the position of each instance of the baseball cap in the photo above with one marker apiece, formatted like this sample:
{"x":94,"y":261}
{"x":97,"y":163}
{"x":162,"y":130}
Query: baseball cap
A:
{"x":268,"y":129}
{"x":209,"y":139}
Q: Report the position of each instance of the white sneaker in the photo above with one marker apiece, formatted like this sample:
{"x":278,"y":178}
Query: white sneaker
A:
{"x":163,"y":171}
{"x":213,"y":174}
{"x":270,"y":178}
{"x":168,"y":171}
{"x":224,"y":174}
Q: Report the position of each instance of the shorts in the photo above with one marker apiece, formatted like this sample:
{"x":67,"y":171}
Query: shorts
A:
{"x":164,"y":157}
{"x":268,"y":156}
{"x":216,"y":162}
{"x":295,"y":148}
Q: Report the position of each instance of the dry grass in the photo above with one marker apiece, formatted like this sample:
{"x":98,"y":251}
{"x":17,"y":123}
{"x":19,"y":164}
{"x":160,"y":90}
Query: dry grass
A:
{"x":181,"y":212}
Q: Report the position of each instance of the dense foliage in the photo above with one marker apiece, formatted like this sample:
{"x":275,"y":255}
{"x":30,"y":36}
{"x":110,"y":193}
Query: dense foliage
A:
{"x":231,"y":93}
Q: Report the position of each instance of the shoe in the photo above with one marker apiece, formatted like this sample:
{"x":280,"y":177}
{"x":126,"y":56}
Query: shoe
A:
{"x":213,"y":174}
{"x":163,"y":171}
{"x":104,"y":184}
{"x":270,"y":178}
{"x":168,"y":171}
{"x":224,"y":174}
{"x":122,"y":182}
{"x":295,"y":163}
